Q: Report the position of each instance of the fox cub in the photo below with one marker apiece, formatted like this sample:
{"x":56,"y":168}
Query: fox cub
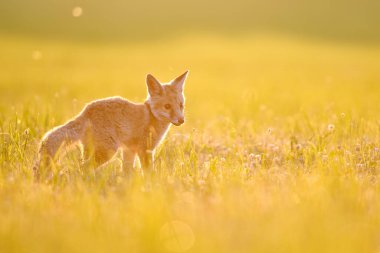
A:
{"x":106,"y":125}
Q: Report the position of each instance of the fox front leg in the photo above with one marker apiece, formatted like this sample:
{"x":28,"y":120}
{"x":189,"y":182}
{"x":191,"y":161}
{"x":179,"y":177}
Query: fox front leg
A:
{"x":128,"y":160}
{"x":146,"y":160}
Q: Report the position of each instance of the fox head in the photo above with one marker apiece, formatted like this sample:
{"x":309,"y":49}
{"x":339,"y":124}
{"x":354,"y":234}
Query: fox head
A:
{"x":167,"y":101}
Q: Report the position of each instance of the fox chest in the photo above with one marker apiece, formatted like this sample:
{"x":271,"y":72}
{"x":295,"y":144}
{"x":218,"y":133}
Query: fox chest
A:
{"x":155,"y":136}
{"x":148,"y":139}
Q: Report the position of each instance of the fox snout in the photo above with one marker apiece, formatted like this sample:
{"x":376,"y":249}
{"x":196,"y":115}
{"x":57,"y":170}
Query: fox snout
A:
{"x":179,"y":121}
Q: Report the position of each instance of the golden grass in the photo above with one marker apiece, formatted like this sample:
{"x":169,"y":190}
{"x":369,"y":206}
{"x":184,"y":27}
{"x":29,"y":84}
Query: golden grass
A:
{"x":280,"y":152}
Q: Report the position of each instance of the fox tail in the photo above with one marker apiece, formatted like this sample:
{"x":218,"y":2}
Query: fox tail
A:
{"x":65,"y":134}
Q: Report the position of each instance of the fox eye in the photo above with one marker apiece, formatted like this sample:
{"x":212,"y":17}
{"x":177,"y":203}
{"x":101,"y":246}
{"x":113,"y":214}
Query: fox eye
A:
{"x":168,"y":106}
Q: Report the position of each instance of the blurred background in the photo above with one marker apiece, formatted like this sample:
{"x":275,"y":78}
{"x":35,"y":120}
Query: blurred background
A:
{"x":284,"y":56}
{"x":145,"y":20}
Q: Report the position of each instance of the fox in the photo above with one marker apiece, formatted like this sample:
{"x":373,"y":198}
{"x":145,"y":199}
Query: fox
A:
{"x":106,"y":125}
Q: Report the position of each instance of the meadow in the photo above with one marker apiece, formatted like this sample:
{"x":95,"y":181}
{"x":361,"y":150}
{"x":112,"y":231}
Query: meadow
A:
{"x":279,"y":153}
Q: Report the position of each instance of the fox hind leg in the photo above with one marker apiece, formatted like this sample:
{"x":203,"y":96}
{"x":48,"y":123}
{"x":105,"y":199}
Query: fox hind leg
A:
{"x":97,"y":155}
{"x":103,"y":155}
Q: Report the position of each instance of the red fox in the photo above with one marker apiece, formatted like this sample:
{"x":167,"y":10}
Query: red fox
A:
{"x":106,"y":125}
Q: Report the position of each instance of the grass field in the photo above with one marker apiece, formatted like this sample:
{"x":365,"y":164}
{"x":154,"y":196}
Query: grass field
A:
{"x":280,"y":151}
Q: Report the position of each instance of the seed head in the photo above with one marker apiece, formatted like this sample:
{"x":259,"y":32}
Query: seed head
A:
{"x":27,"y":131}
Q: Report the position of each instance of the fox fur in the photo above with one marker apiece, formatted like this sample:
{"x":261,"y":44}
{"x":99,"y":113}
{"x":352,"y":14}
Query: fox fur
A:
{"x":107,"y":125}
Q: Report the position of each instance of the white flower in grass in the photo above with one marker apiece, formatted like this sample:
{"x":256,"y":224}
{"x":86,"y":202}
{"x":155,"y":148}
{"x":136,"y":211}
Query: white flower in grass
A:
{"x":359,"y":166}
{"x":331,"y":127}
{"x":258,"y":158}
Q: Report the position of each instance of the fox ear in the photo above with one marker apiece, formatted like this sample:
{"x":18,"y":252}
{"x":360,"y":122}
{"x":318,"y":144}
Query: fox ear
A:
{"x":154,"y":86}
{"x":179,"y":82}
